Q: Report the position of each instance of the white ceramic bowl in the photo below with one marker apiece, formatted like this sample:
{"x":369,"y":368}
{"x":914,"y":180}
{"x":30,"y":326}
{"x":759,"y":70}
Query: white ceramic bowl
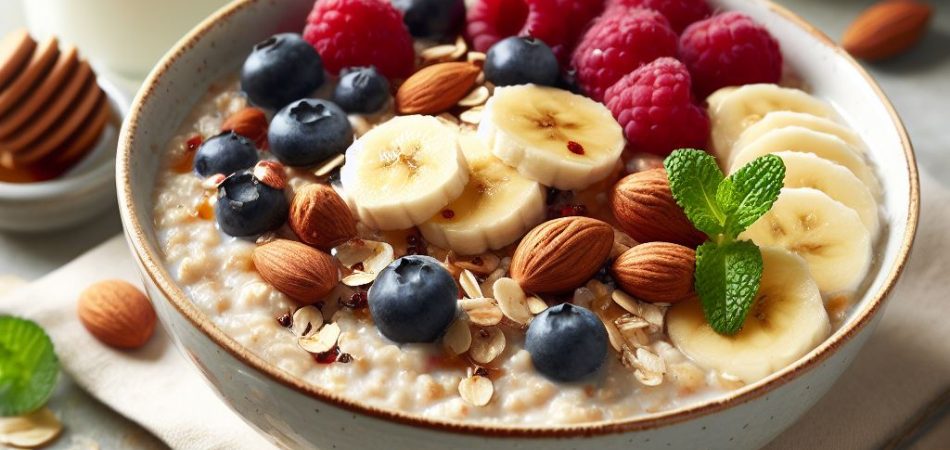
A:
{"x":84,"y":191}
{"x":297,"y":415}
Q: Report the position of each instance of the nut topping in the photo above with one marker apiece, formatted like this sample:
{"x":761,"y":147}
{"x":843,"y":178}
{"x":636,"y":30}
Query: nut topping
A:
{"x":301,"y":272}
{"x":458,"y":337}
{"x":307,"y":321}
{"x":476,"y":390}
{"x":561,"y":254}
{"x":271,"y":173}
{"x":436,"y":88}
{"x":487,"y":344}
{"x":512,"y":300}
{"x":482,"y":311}
{"x":320,"y":217}
{"x":657,"y":272}
{"x":470,"y":284}
{"x":321,"y":341}
{"x":644,"y":207}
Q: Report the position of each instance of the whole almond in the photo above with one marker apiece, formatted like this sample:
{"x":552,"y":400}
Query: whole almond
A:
{"x":300,"y":271}
{"x":117,"y":313}
{"x":645,"y":209}
{"x":886,"y":29}
{"x":248,"y":122}
{"x":656,"y":272}
{"x":320,"y":217}
{"x":561,"y":254}
{"x":436,"y":88}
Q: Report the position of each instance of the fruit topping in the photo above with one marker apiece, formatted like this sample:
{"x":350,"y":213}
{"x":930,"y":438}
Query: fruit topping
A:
{"x":532,"y":128}
{"x":561,"y":254}
{"x":357,"y":33}
{"x":787,"y":320}
{"x":320,"y":217}
{"x":521,"y":60}
{"x":403,"y":172}
{"x":729,"y":49}
{"x":432,"y":19}
{"x":566,"y":342}
{"x":301,"y":272}
{"x":250,"y":123}
{"x":680,"y":13}
{"x":618,"y":43}
{"x":655,"y":108}
{"x":281,"y":69}
{"x":246,"y":207}
{"x":645,"y":209}
{"x":225,"y":153}
{"x":413,"y":299}
{"x":361,"y":90}
{"x":308,"y":131}
{"x":496,"y":208}
{"x":436,"y":88}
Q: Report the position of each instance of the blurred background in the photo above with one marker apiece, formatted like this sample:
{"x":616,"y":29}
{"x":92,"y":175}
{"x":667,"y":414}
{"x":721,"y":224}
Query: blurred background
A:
{"x":123,"y":39}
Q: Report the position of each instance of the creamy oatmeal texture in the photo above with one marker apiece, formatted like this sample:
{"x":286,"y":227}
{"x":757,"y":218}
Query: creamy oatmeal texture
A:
{"x":216,"y":271}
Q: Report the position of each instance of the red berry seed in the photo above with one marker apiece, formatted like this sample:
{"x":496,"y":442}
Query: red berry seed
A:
{"x":448,"y":213}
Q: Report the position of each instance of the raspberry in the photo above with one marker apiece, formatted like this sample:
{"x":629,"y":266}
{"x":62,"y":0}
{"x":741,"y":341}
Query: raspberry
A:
{"x":354,"y":33}
{"x":728,"y":50}
{"x":556,"y":22}
{"x":680,"y":13}
{"x":617,"y":44}
{"x":654,"y":106}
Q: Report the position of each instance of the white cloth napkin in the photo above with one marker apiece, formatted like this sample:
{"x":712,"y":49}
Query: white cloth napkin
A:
{"x":154,"y":386}
{"x":904,"y":366}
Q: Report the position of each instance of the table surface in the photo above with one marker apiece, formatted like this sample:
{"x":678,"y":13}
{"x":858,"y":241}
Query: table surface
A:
{"x":917,"y":84}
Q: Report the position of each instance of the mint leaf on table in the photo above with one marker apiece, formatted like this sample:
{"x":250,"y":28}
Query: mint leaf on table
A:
{"x":694,"y":178}
{"x":28,"y":366}
{"x":727,"y":280}
{"x":755,"y":187}
{"x":728,"y":271}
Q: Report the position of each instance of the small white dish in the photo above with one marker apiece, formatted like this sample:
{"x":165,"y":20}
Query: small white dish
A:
{"x":83,"y":192}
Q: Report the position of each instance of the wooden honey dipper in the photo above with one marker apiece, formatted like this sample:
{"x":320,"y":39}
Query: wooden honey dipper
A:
{"x":52,"y":110}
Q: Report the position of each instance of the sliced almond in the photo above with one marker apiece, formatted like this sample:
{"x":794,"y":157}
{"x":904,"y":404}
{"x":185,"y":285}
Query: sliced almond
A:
{"x":213,"y":181}
{"x":536,"y":305}
{"x":359,"y":278}
{"x":437,"y":54}
{"x":354,"y":252}
{"x":648,"y":378}
{"x":613,"y":334}
{"x":383,"y":255}
{"x":650,"y":312}
{"x":487,"y":344}
{"x":482,"y":311}
{"x":630,"y":322}
{"x":476,"y":390}
{"x":492,"y":278}
{"x":480,"y":264}
{"x":461,"y":47}
{"x":323,"y":341}
{"x":327,"y":166}
{"x":470,"y":284}
{"x":650,"y":361}
{"x":458,"y":337}
{"x":448,"y":119}
{"x":33,"y":430}
{"x":477,"y":97}
{"x":477,"y":58}
{"x":512,"y":301}
{"x":307,"y":321}
{"x":472,"y":116}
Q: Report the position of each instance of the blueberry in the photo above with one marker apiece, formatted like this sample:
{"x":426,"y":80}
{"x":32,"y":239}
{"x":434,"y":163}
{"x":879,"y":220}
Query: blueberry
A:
{"x":433,"y":19}
{"x":521,"y":60}
{"x":566,"y":342}
{"x":225,"y":153}
{"x":361,"y":90}
{"x":281,"y":69}
{"x":413,"y":299}
{"x":246,"y":207}
{"x":308,"y":131}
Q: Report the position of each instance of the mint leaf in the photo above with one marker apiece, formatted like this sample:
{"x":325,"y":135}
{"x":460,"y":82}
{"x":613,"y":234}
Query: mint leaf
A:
{"x":727,"y":280}
{"x":28,"y":366}
{"x":694,"y":178}
{"x":754,"y":188}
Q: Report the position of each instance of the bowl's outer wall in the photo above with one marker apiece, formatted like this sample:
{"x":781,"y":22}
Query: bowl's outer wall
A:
{"x":297,"y":420}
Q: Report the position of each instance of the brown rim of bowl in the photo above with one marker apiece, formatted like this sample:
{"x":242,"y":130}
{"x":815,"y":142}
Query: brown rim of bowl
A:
{"x":157,"y":273}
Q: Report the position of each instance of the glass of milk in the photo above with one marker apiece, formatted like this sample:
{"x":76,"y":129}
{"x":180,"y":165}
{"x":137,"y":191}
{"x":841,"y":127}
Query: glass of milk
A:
{"x":126,"y":37}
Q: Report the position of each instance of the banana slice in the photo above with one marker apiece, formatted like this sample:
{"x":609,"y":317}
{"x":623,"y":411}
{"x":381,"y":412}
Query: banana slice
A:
{"x":828,"y":234}
{"x":781,"y":119}
{"x":403,"y":171}
{"x":798,"y":139}
{"x":732,"y":110}
{"x":497,"y":207}
{"x":808,"y":170}
{"x":787,"y":320}
{"x":552,"y":136}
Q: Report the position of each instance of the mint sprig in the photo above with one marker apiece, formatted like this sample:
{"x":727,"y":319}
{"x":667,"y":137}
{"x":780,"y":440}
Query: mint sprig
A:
{"x":728,"y":270}
{"x":28,"y":366}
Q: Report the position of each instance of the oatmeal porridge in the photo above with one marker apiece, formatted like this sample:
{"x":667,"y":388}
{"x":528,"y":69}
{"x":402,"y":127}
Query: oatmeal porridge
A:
{"x":473,"y":242}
